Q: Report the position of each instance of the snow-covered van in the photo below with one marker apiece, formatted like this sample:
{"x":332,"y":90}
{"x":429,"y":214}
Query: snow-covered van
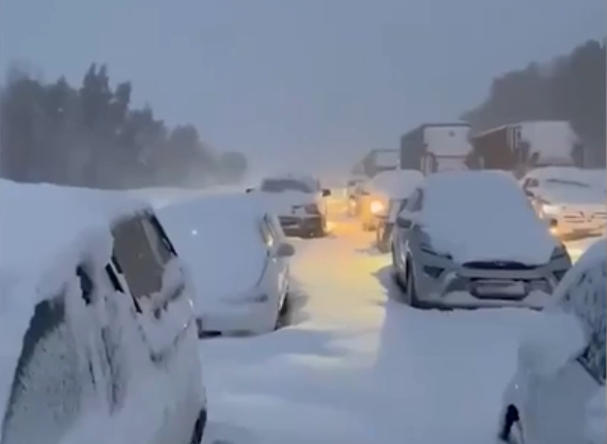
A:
{"x":99,"y":342}
{"x":434,"y":147}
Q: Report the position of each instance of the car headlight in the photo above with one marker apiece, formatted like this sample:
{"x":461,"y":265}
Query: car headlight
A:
{"x":427,"y":248}
{"x":377,"y":207}
{"x":559,"y":252}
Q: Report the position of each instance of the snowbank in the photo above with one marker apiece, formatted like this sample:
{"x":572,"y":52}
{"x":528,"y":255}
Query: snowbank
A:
{"x":483,"y":216}
{"x":596,"y":412}
{"x":396,"y":184}
{"x":220,"y":239}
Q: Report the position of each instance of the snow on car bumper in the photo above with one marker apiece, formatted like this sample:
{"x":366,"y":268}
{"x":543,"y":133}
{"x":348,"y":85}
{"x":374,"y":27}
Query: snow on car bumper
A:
{"x":301,"y":225}
{"x":241,"y":318}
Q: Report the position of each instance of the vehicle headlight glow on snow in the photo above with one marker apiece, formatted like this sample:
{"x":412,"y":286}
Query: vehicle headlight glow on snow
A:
{"x":377,"y":207}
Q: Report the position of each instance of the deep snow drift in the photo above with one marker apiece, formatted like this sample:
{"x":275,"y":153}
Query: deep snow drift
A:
{"x":358,"y":368}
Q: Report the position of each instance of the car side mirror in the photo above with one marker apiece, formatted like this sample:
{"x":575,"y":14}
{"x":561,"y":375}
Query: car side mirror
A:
{"x":326,"y":192}
{"x":285,"y":250}
{"x":528,"y":192}
{"x":250,"y":190}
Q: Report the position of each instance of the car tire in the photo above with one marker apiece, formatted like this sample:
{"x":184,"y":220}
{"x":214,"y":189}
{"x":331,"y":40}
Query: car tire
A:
{"x":199,"y":427}
{"x":410,"y":289}
{"x":282,"y":318}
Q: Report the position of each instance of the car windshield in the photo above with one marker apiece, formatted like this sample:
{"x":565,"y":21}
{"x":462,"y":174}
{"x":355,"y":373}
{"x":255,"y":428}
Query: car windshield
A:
{"x":281,"y":185}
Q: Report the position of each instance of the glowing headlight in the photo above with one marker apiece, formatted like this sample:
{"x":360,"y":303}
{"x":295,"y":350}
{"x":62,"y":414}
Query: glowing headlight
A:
{"x":377,"y":207}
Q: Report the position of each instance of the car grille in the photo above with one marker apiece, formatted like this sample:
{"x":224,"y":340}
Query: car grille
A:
{"x":498,"y":265}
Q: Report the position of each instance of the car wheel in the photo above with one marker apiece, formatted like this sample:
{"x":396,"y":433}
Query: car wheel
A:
{"x":282,"y":318}
{"x":411,"y":291}
{"x":199,"y":426}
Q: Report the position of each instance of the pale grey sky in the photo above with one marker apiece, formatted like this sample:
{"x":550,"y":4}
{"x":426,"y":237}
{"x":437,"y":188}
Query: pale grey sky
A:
{"x":298,"y":82}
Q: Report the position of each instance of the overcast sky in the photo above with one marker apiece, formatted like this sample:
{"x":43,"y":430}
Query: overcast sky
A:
{"x":298,"y":82}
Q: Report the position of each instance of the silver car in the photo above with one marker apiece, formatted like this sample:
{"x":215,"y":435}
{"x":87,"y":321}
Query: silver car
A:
{"x":470,"y":239}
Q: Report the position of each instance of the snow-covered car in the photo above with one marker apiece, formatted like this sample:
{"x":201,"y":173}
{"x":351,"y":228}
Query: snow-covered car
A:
{"x":240,"y":262}
{"x":391,"y":188}
{"x":572,"y":201}
{"x":385,"y":187}
{"x":354,"y":189}
{"x":299,"y":202}
{"x":471,"y":238}
{"x":98,"y":332}
{"x":560,"y":373}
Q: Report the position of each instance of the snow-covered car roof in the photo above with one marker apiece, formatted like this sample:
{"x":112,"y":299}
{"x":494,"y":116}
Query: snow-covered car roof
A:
{"x":40,"y":221}
{"x":396,"y":184}
{"x":483,"y":216}
{"x":219,"y":237}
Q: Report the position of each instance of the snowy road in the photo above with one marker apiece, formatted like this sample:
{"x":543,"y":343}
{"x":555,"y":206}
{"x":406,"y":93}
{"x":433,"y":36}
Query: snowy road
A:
{"x":359,"y":368}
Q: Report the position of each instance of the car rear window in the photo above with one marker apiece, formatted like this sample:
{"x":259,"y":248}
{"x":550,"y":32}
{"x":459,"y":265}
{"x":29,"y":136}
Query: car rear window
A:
{"x":280,"y":185}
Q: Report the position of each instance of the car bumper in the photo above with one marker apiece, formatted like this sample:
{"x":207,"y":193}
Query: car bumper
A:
{"x":238,"y":319}
{"x":481,"y":287}
{"x":302,"y":225}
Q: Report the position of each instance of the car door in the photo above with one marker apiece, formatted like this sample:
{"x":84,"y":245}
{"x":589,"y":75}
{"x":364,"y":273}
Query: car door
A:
{"x":275,"y":270}
{"x":146,"y":266}
{"x":406,"y":216}
{"x":559,"y":401}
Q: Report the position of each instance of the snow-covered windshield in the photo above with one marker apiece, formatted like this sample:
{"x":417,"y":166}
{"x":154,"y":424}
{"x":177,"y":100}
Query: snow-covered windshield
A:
{"x":281,"y":185}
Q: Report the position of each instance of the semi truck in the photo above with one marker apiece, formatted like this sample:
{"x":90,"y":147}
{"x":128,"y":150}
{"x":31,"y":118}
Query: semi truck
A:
{"x":376,"y":161}
{"x":434,"y":147}
{"x":523,"y":146}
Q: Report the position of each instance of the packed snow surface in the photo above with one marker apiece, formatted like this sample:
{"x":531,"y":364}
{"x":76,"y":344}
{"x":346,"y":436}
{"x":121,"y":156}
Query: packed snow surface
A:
{"x":219,"y":237}
{"x":357,"y":367}
{"x":483,"y":216}
{"x":396,"y":184}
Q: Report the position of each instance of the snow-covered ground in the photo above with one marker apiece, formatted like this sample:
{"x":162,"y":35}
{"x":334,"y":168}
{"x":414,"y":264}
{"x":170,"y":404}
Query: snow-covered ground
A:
{"x":357,"y":367}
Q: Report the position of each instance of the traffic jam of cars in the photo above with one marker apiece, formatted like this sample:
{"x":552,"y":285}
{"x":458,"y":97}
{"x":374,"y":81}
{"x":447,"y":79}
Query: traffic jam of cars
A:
{"x":219,"y":265}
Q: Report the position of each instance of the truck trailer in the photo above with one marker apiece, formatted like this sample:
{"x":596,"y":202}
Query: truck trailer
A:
{"x":434,"y":147}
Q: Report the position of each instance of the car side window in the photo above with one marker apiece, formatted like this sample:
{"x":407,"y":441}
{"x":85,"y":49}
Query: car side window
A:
{"x":160,"y":245}
{"x":586,"y":299}
{"x":141,"y":263}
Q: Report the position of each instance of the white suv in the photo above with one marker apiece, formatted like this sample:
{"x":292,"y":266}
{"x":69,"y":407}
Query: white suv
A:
{"x":561,"y":363}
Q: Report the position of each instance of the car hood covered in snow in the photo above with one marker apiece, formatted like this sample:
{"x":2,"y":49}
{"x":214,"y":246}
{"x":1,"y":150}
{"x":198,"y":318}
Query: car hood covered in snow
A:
{"x":483,"y":216}
{"x":557,"y":194}
{"x":219,"y":238}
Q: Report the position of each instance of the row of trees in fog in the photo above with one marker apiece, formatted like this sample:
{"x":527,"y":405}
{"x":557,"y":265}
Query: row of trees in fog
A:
{"x":571,"y":87}
{"x":93,"y":136}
